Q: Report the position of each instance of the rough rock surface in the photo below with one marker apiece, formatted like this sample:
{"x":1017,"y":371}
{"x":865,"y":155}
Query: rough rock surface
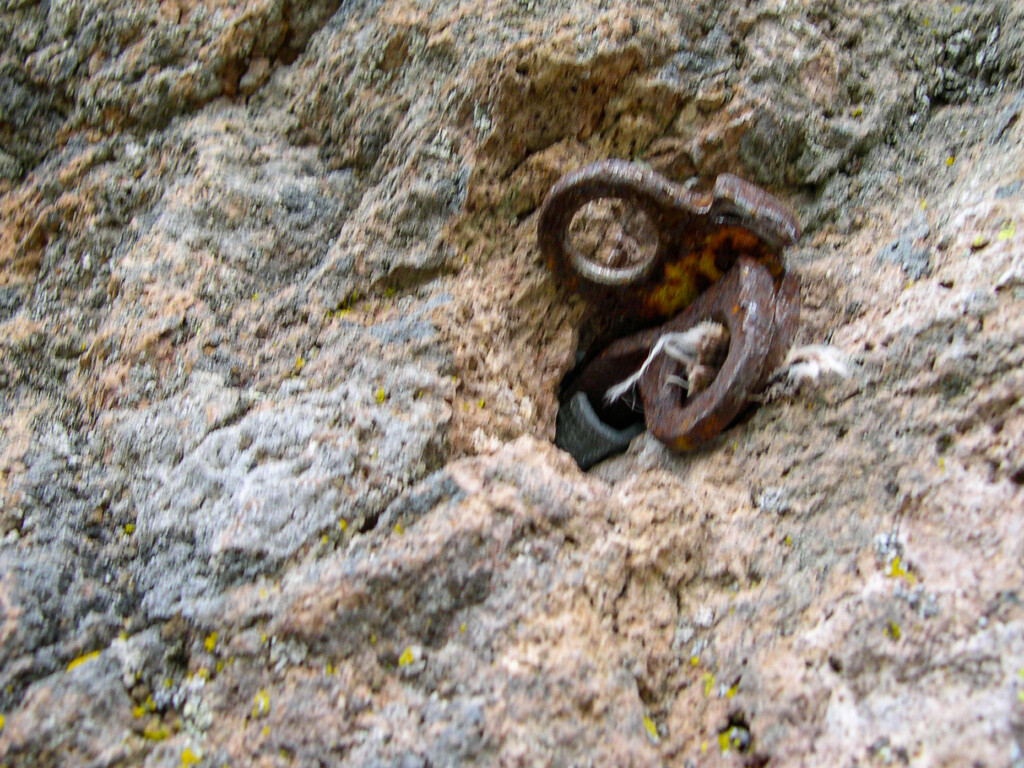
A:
{"x":279,"y":364}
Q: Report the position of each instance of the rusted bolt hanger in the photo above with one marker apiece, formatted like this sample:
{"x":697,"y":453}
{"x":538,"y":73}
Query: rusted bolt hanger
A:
{"x":718,"y":257}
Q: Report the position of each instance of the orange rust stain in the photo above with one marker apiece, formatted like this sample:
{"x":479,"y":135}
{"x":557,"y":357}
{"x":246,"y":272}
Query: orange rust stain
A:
{"x":685,"y":276}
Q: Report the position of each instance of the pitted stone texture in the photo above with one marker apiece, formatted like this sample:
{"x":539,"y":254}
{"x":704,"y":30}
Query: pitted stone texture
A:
{"x":266,"y":268}
{"x":499,"y":678}
{"x":75,"y":63}
{"x":289,"y":471}
{"x":80,"y":717}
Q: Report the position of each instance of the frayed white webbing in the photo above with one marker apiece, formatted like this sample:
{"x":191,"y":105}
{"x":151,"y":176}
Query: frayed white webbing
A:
{"x":681,"y":346}
{"x":810,"y":363}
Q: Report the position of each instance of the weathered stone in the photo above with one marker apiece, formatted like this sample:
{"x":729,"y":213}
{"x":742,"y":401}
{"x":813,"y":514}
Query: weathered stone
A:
{"x":280,"y":363}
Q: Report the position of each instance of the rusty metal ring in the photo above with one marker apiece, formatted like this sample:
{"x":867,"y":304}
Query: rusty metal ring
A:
{"x":787,"y":320}
{"x":715,"y":255}
{"x":735,"y":199}
{"x":744,"y":302}
{"x":637,"y":186}
{"x":696,"y":236}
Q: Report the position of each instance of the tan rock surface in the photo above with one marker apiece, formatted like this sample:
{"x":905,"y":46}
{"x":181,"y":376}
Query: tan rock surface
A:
{"x":279,"y":363}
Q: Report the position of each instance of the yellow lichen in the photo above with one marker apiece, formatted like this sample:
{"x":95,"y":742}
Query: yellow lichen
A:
{"x":343,"y":524}
{"x":896,"y":571}
{"x":892,"y":631}
{"x":155,"y":730}
{"x":731,"y":692}
{"x":709,"y":683}
{"x":188,"y":757}
{"x":462,"y":627}
{"x":82,"y":659}
{"x":210,"y":642}
{"x":260,"y":704}
{"x":950,"y":160}
{"x":1,"y":722}
{"x":1006,"y":232}
{"x":406,"y":658}
{"x":651,"y":728}
{"x":723,"y":741}
{"x":129,"y":529}
{"x":379,"y":396}
{"x":856,"y":112}
{"x":399,"y":529}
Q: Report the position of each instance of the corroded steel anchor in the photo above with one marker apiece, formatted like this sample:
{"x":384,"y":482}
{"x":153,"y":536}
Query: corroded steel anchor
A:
{"x":717,"y":257}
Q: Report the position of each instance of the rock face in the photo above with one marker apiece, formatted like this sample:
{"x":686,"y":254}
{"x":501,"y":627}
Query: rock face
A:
{"x":280,"y":359}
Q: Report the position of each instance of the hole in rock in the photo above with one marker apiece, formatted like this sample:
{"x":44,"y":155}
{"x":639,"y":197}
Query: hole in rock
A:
{"x":614,"y":234}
